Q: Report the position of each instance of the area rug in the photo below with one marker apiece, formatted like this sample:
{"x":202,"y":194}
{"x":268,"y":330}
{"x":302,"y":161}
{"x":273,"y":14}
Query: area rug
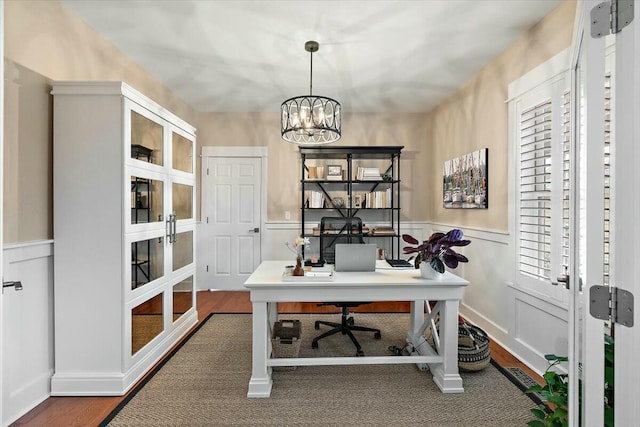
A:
{"x":205,"y":384}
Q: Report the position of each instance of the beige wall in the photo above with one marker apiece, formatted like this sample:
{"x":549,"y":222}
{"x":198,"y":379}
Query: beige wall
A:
{"x":476,"y":117}
{"x":283,"y":189}
{"x":45,"y":42}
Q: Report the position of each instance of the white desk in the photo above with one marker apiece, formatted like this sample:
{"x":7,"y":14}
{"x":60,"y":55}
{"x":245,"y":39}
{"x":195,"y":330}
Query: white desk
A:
{"x":385,"y":284}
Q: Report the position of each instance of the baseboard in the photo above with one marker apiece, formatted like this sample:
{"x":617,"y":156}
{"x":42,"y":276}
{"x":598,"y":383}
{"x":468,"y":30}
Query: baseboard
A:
{"x":116,"y":383}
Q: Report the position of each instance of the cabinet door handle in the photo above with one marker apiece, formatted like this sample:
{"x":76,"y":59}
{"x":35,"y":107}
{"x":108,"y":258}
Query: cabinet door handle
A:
{"x":168,"y":229}
{"x":175,"y":229}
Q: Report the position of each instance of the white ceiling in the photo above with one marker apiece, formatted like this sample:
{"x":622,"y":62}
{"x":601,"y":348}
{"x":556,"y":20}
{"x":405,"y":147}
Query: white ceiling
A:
{"x":375,"y":56}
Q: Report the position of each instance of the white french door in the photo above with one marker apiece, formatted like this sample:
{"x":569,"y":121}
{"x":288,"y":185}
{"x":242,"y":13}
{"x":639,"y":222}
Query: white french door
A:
{"x":1,"y":201}
{"x":625,"y":273}
{"x":603,"y":179}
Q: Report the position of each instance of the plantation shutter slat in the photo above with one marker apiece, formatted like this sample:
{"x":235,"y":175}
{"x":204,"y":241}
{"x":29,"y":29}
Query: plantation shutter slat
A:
{"x":607,"y":176}
{"x":566,"y":156}
{"x":534,"y":235}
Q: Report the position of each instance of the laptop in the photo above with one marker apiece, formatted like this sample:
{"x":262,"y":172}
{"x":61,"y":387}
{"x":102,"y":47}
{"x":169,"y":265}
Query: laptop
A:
{"x":355,"y":257}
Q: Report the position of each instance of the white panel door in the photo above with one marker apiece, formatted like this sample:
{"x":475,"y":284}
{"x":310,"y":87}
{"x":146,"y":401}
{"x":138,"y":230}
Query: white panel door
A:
{"x":1,"y":205}
{"x":231,"y":221}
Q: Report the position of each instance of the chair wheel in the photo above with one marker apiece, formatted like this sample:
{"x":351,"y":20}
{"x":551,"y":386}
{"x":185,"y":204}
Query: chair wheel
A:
{"x":377,"y":335}
{"x":317,"y":325}
{"x":350,"y":321}
{"x":360,"y":353}
{"x":314,"y":344}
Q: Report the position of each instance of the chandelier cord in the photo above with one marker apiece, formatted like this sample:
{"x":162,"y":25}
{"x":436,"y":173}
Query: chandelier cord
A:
{"x":311,"y":75}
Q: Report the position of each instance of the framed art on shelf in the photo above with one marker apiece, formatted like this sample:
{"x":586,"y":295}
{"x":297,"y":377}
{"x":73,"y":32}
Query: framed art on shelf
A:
{"x":334,"y":172}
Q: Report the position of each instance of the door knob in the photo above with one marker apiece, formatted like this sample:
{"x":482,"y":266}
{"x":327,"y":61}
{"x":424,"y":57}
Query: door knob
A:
{"x":254,"y":230}
{"x":15,"y":284}
{"x":562,"y":279}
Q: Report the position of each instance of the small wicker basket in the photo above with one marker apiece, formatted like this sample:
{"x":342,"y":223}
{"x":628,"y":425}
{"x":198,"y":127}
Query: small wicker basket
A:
{"x":474,"y":352}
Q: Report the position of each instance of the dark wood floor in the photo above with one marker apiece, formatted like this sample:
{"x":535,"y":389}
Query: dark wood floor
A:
{"x":90,"y":411}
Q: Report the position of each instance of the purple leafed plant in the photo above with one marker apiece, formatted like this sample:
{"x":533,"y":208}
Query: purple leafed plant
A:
{"x":437,"y":249}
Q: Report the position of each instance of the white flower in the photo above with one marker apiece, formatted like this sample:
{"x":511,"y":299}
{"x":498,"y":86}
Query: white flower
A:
{"x":296,"y":246}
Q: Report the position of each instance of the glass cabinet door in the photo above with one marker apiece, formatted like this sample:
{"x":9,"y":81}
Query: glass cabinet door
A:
{"x":182,"y":200}
{"x":147,"y":201}
{"x":182,"y":249}
{"x":147,"y":261}
{"x":146,"y":139}
{"x":147,"y":322}
{"x":182,"y":297}
{"x":182,"y":152}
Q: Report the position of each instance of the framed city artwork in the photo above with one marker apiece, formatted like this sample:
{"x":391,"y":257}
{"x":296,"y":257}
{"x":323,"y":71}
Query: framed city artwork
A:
{"x":465,"y":183}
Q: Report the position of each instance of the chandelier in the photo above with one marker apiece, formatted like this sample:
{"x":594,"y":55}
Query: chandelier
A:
{"x":310,"y":119}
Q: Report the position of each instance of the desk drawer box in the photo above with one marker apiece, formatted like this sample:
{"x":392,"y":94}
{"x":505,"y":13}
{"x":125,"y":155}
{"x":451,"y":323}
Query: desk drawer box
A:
{"x":285,"y":341}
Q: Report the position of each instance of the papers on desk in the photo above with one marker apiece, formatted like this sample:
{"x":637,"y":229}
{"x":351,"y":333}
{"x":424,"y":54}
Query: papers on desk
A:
{"x":313,"y":274}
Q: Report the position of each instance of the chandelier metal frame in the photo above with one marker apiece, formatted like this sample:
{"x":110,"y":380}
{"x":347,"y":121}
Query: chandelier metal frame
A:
{"x":311,"y":119}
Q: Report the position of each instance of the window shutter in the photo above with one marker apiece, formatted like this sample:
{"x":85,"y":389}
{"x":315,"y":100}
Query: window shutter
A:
{"x":566,"y":171}
{"x":607,"y":176}
{"x":535,"y":191}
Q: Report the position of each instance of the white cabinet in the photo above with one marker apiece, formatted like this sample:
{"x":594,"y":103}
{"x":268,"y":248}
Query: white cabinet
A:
{"x":124,"y":235}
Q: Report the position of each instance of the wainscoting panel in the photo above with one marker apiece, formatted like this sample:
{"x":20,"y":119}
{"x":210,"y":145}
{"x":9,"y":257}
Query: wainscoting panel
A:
{"x":527,"y":323}
{"x":538,"y":327}
{"x":28,"y":328}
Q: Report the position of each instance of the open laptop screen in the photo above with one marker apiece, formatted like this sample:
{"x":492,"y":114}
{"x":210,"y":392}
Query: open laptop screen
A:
{"x":356,"y":257}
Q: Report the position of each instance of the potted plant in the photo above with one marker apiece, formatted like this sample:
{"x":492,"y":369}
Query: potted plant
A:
{"x":436,"y":251}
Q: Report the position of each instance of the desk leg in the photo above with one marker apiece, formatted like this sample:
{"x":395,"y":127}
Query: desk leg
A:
{"x":261,"y":382}
{"x":416,"y":320}
{"x":417,"y":317}
{"x":446,"y":375}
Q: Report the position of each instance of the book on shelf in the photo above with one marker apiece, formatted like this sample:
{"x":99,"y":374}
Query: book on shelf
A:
{"x":367,"y":174}
{"x":315,"y":199}
{"x":383,"y":231}
{"x":378,"y":199}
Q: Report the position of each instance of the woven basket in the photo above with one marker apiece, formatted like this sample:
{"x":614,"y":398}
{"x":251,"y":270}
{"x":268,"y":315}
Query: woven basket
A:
{"x":474,"y":351}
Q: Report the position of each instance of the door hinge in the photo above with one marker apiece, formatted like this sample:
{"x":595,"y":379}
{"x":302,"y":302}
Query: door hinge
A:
{"x":611,"y":303}
{"x":207,"y":268}
{"x":611,"y":17}
{"x":207,"y":171}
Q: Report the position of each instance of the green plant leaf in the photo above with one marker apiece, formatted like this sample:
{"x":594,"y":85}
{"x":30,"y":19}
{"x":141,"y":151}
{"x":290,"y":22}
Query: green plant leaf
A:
{"x":608,"y":417}
{"x":561,"y":413}
{"x":558,"y":400}
{"x":539,"y":413}
{"x":437,"y":265}
{"x":536,"y":423}
{"x":534,"y":389}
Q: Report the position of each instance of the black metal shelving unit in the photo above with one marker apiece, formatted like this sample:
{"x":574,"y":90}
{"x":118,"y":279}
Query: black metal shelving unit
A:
{"x":140,"y":213}
{"x":350,"y":185}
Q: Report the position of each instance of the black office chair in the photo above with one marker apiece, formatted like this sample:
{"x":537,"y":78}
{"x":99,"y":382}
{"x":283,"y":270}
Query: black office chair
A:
{"x":334,"y":230}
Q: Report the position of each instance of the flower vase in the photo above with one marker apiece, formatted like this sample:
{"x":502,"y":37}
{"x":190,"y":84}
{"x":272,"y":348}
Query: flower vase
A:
{"x":427,"y":272}
{"x":298,"y":271}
